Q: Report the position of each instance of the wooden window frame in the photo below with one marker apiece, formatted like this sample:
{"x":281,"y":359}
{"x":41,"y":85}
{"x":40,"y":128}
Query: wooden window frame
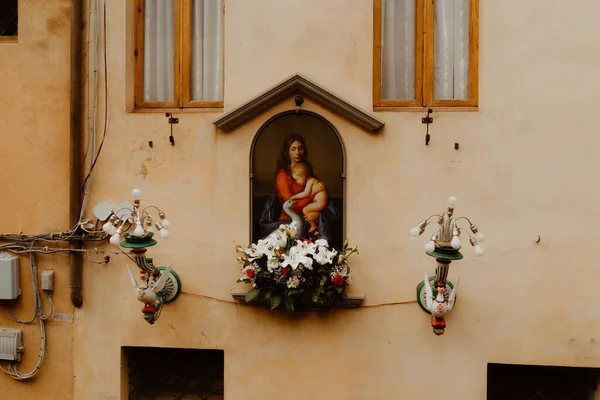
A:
{"x":424,"y":51}
{"x":182,"y":56}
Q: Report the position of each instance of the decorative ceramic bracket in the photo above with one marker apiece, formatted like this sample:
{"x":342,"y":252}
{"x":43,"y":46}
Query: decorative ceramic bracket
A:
{"x":442,"y":303}
{"x":436,"y":295}
{"x":161,"y":285}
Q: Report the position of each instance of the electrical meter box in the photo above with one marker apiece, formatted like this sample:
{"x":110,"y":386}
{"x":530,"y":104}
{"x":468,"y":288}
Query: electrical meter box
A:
{"x":11,"y":346}
{"x":9,"y":277}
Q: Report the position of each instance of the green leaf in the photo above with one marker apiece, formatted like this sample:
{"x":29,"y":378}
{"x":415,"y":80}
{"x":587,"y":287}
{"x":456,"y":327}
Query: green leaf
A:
{"x":295,"y":291}
{"x":289,"y":304}
{"x":252,"y":294}
{"x":275,"y":301}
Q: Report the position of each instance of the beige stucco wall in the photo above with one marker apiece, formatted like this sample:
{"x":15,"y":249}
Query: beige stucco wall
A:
{"x":34,"y":176}
{"x":526,"y":167}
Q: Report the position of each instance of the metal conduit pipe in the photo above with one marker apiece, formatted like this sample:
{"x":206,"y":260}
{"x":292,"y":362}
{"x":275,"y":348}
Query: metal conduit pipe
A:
{"x":75,"y":257}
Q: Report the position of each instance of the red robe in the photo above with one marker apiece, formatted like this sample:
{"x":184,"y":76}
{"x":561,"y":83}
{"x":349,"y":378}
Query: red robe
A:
{"x":286,"y":188}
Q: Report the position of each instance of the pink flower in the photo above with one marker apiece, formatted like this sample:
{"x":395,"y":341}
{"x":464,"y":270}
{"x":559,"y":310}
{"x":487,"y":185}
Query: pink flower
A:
{"x":337,"y":280}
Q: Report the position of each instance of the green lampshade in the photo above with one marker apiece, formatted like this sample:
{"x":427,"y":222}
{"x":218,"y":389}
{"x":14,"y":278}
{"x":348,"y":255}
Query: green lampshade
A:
{"x":134,"y":242}
{"x":445,"y":253}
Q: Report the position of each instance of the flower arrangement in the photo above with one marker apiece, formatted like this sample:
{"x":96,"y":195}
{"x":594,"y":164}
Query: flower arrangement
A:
{"x":290,"y":271}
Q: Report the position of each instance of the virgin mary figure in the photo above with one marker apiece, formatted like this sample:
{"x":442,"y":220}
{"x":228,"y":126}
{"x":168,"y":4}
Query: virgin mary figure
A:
{"x":294,"y":173}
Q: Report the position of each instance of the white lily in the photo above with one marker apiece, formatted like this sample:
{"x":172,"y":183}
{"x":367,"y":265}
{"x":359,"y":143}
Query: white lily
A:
{"x":297,"y":255}
{"x":254,"y":251}
{"x":321,"y":242}
{"x":273,"y":264}
{"x":279,"y":240}
{"x":324,"y":256}
{"x":290,"y":230}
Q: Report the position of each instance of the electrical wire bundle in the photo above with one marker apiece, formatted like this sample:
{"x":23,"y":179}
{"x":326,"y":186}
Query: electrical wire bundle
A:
{"x":38,"y":314}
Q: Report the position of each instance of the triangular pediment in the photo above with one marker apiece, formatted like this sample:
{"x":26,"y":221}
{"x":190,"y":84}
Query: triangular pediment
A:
{"x":297,"y":85}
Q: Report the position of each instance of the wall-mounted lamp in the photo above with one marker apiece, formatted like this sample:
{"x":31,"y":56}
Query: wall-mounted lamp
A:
{"x":160,"y":285}
{"x":436,"y":295}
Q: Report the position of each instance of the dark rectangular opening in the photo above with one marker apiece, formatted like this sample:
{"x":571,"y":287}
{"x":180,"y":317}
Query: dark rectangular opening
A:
{"x":9,"y":18}
{"x":536,"y":382}
{"x":170,"y":373}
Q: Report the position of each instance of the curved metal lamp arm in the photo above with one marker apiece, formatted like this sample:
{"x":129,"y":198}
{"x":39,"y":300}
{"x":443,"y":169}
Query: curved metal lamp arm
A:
{"x":151,"y":206}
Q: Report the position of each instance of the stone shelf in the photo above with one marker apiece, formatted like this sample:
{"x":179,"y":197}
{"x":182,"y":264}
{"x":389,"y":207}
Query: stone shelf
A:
{"x":351,"y":301}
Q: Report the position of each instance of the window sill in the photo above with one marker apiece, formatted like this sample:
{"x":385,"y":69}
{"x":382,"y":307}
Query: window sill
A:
{"x":351,"y":301}
{"x":424,"y":109}
{"x":9,"y":39}
{"x":187,"y":110}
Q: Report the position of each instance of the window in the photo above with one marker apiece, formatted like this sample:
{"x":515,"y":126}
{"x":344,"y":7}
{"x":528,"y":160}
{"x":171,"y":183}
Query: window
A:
{"x":536,"y":382}
{"x":171,"y":374}
{"x":425,"y":53}
{"x":179,"y":53}
{"x":8,"y":20}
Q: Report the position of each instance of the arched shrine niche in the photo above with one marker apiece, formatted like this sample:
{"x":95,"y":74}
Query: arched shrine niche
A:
{"x":298,"y":153}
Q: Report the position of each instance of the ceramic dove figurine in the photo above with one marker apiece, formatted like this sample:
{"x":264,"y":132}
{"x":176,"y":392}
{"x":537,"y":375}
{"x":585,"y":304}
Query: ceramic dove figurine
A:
{"x":149,"y":295}
{"x":438,"y":305}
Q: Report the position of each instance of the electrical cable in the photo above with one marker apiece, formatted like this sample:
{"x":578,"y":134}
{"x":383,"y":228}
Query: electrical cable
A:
{"x":87,"y":87}
{"x":106,"y":122}
{"x":392,"y":303}
{"x":94,"y":112}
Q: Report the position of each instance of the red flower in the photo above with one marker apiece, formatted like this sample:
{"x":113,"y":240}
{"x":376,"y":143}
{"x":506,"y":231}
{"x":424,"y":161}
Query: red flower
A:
{"x":284,"y":270}
{"x":337,"y":280}
{"x":249,"y":273}
{"x":307,"y":241}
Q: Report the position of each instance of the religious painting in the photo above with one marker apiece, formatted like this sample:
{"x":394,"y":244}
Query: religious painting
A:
{"x":297,"y":175}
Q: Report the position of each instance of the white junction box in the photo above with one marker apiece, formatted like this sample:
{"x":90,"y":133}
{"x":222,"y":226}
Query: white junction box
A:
{"x":48,"y":280}
{"x":9,"y":277}
{"x":11,"y":346}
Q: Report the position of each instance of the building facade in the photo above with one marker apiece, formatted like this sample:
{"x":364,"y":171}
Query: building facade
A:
{"x":515,"y":144}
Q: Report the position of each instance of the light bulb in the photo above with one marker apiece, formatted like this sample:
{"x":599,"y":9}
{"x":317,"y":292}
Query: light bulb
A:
{"x":164,"y":233}
{"x":109,"y":228}
{"x":115,"y":239}
{"x":166,"y":223}
{"x":479,"y":237}
{"x":455,"y":243}
{"x":430,"y":246}
{"x":478,"y":250}
{"x":139,"y":231}
{"x":149,"y":229}
{"x":136,"y":193}
{"x":414,"y":233}
{"x":452,"y":201}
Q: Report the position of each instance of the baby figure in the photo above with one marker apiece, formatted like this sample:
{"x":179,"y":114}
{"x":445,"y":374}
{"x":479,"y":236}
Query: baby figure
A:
{"x":319,"y":197}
